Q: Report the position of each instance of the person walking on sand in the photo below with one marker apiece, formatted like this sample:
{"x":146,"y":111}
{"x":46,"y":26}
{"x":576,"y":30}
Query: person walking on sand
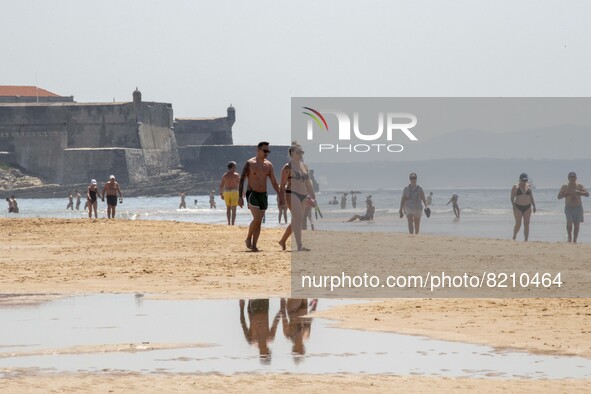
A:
{"x":183,"y":204}
{"x":70,"y":201}
{"x":229,"y":191}
{"x":91,"y":198}
{"x":299,"y":192}
{"x":256,"y":170}
{"x":454,"y":204}
{"x":573,"y":206}
{"x":522,"y":199}
{"x":411,"y":204}
{"x":111,"y":189}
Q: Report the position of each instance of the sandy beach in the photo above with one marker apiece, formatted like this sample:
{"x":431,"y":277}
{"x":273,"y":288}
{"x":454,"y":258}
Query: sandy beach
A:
{"x":188,"y":260}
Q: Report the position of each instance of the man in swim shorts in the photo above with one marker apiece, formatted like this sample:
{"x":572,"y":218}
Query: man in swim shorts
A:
{"x":573,"y":206}
{"x":229,"y":191}
{"x":257,"y":170}
{"x":111,"y":189}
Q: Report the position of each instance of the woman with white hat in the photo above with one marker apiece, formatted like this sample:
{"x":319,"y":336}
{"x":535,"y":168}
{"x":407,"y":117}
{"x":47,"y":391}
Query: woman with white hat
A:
{"x":91,"y":197}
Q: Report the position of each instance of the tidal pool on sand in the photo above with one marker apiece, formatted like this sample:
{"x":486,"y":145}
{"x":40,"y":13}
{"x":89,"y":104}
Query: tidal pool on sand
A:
{"x":123,"y":332}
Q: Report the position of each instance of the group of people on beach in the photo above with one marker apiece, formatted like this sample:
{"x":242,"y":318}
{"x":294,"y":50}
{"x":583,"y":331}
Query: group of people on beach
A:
{"x":71,"y":200}
{"x":522,"y":200}
{"x":294,"y":192}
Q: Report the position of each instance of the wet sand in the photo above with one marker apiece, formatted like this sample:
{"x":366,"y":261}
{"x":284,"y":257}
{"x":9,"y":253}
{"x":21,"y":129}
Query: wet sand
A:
{"x":256,"y":383}
{"x":187,"y":260}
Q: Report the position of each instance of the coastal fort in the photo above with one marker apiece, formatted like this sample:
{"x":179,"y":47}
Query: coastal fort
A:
{"x":65,"y":142}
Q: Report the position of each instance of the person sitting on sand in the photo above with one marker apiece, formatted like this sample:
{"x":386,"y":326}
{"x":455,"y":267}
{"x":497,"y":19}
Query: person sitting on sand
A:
{"x":522,"y":198}
{"x":368,"y":214}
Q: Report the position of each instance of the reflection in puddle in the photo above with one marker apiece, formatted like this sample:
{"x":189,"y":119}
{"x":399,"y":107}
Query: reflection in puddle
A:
{"x":121,"y":332}
{"x":291,"y":315}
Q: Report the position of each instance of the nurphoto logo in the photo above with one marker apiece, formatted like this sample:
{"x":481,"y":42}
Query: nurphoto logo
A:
{"x":390,"y":124}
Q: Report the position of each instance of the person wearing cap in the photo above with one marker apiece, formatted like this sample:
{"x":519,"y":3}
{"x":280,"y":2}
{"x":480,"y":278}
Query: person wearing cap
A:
{"x":522,"y":199}
{"x":229,"y":191}
{"x":91,"y":198}
{"x":111,"y":189}
{"x":573,"y":206}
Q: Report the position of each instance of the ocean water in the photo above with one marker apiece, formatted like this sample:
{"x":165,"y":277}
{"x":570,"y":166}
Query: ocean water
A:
{"x":484,"y":213}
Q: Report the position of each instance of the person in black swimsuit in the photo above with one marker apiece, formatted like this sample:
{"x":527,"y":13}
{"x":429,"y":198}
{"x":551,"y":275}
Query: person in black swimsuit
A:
{"x":295,"y":181}
{"x":522,"y":199}
{"x":91,"y":198}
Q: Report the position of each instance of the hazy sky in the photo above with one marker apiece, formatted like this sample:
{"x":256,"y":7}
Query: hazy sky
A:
{"x":201,"y":56}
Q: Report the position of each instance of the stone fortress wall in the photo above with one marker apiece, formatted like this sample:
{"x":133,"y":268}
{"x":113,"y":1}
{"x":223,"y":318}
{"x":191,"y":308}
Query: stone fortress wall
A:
{"x":66,"y":142}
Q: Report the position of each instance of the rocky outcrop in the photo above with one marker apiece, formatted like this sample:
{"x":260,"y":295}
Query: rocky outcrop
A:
{"x":13,"y":178}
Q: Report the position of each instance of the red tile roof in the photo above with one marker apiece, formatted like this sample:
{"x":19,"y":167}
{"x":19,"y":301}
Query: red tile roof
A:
{"x":25,"y":91}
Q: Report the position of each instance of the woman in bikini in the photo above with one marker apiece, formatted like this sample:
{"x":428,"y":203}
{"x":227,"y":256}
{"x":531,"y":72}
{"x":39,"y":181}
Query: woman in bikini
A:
{"x":522,"y":199}
{"x":295,"y":182}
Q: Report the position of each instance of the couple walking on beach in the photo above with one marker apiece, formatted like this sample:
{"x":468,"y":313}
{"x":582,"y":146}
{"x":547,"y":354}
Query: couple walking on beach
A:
{"x":524,"y":205}
{"x":111,"y":189}
{"x":296,"y":190}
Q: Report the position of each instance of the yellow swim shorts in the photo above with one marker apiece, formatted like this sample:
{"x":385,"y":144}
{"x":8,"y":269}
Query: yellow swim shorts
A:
{"x":231,"y":198}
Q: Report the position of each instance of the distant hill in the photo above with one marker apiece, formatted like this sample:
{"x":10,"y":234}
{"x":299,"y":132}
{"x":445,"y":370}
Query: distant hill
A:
{"x":448,"y":173}
{"x":564,"y":142}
